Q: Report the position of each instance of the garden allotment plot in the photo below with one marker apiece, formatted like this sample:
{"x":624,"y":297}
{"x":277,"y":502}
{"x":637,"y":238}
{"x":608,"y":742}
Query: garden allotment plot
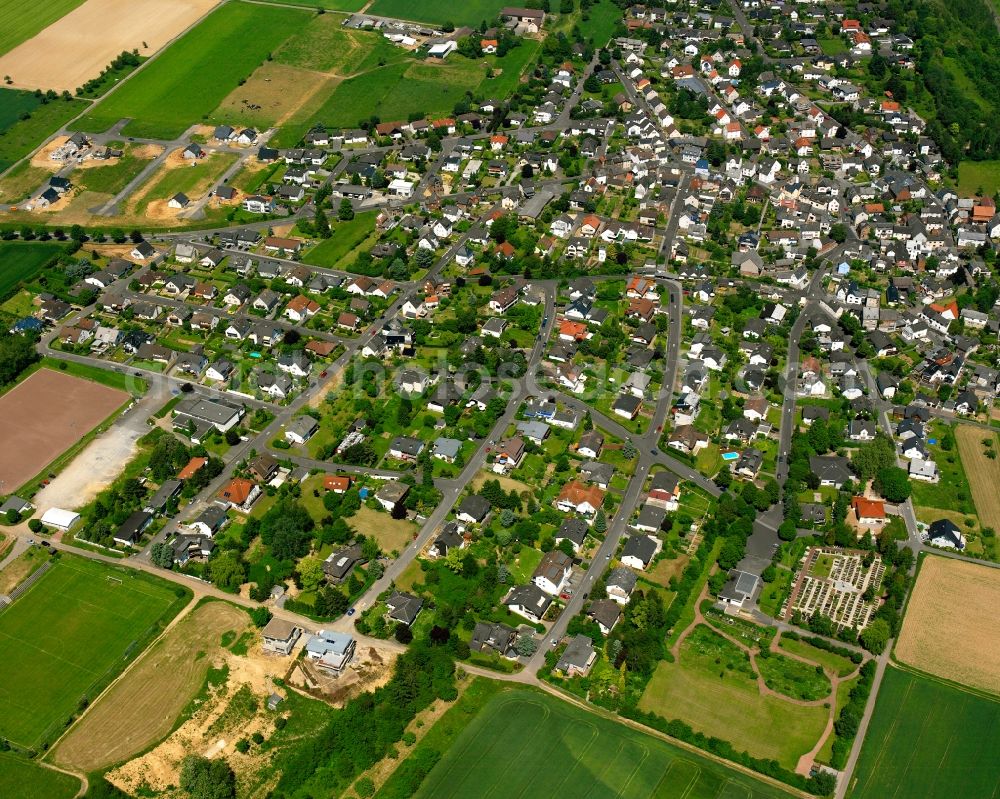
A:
{"x":526,"y":744}
{"x":67,"y":636}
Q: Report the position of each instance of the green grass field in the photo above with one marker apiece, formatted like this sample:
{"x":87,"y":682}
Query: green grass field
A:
{"x":193,"y":180}
{"x":930,"y":740}
{"x":976,"y":175}
{"x":16,"y":26}
{"x":172,"y":93}
{"x":525,"y":743}
{"x":347,"y":236}
{"x":602,"y":19}
{"x":712,"y":688}
{"x":67,"y":637}
{"x":471,"y":12}
{"x":22,"y":779}
{"x":112,"y":178}
{"x":396,"y":90}
{"x":20,"y":261}
{"x":18,"y":137}
{"x":13,"y":103}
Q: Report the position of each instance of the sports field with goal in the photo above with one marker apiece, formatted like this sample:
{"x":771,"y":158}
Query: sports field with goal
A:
{"x":524,"y":743}
{"x":68,"y":636}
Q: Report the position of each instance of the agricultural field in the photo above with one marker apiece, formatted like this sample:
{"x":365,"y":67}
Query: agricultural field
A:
{"x":975,"y":176}
{"x":329,"y":5}
{"x":930,"y":740}
{"x":168,"y":95}
{"x":983,"y":472}
{"x":20,"y":261}
{"x":140,"y":709}
{"x":439,"y":11}
{"x":17,"y":26}
{"x":22,"y":779}
{"x":78,"y":46}
{"x":724,"y":701}
{"x":562,"y":749}
{"x":25,"y":123}
{"x":950,"y":629}
{"x":67,"y":637}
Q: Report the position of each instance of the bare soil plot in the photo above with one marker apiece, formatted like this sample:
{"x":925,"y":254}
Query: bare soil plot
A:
{"x":950,"y":628}
{"x":272,"y":94}
{"x":43,"y":415}
{"x":141,"y":707}
{"x":982,"y":472}
{"x":75,"y":48}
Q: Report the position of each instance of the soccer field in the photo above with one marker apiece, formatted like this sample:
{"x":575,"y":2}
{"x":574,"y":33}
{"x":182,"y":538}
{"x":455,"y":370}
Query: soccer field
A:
{"x":928,"y":740}
{"x":525,"y":743}
{"x":69,"y":634}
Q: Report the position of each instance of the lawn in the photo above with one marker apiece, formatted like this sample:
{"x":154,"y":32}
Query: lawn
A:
{"x":24,"y":135}
{"x":952,"y":492}
{"x":17,"y":26}
{"x":21,"y":261}
{"x":22,"y":779}
{"x":793,"y":677}
{"x":721,"y":699}
{"x":170,"y":94}
{"x":393,"y":535}
{"x":838,"y":664}
{"x":976,"y":175}
{"x":68,"y":636}
{"x":831,"y":45}
{"x":471,"y":12}
{"x":930,"y":740}
{"x":346,"y":238}
{"x":525,"y":743}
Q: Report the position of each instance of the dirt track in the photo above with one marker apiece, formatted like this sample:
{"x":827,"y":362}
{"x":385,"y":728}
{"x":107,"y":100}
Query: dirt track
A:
{"x":41,"y":417}
{"x":77,"y":47}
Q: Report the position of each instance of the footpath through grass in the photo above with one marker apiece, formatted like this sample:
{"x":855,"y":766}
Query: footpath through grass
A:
{"x":929,"y":740}
{"x":527,"y":743}
{"x":68,"y":636}
{"x":22,"y":779}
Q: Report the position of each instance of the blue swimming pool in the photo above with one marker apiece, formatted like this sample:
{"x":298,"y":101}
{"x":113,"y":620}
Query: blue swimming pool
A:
{"x":730,"y":456}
